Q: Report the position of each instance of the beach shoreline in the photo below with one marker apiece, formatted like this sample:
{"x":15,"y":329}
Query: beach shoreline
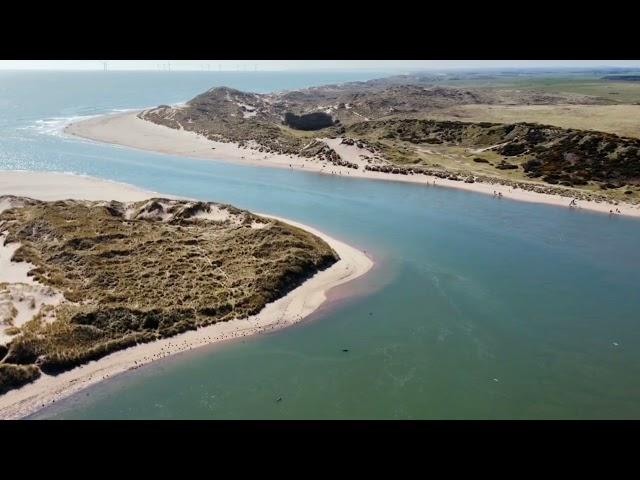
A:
{"x":288,"y":310}
{"x":126,"y":129}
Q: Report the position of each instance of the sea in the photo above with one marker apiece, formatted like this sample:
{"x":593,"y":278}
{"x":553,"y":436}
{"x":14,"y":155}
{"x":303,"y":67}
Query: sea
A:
{"x":477,"y":307}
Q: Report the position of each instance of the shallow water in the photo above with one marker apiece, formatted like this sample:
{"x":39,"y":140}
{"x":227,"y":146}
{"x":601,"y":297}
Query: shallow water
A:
{"x":477,"y":308}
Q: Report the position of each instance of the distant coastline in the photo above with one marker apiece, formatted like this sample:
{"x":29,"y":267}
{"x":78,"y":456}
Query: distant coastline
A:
{"x":288,"y":310}
{"x":126,"y":129}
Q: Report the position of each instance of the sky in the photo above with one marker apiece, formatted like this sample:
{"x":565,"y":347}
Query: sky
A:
{"x":264,"y":65}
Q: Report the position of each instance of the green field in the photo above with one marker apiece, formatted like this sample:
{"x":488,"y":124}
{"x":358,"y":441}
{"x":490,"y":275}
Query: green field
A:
{"x":623,"y":120}
{"x":613,"y":91}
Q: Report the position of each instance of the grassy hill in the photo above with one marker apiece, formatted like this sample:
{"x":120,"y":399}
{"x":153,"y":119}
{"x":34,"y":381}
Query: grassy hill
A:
{"x":556,"y":130}
{"x":136,"y":272}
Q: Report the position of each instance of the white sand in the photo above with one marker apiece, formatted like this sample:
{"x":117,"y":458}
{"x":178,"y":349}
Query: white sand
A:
{"x":62,"y":186}
{"x":12,"y":272}
{"x":350,"y":153}
{"x":27,"y":299}
{"x":283,"y":312}
{"x":128,"y":130}
{"x":21,"y":297}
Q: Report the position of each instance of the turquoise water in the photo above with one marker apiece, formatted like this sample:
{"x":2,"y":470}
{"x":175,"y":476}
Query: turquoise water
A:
{"x":477,"y":307}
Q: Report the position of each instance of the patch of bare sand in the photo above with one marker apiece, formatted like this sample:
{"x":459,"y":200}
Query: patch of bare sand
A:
{"x":283,"y":312}
{"x":126,"y":129}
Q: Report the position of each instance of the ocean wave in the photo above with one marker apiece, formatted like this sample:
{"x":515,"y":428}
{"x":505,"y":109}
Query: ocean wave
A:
{"x":54,"y":126}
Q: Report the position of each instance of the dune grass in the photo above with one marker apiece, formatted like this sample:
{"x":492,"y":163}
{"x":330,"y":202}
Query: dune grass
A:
{"x":134,"y":273}
{"x":622,"y":120}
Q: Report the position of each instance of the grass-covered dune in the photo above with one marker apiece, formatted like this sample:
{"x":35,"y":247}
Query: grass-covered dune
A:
{"x":557,"y":156}
{"x":140,"y":271}
{"x":530,"y":134}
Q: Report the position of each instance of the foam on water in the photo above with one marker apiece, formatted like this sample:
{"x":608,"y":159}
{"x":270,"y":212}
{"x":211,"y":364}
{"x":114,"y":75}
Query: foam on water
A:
{"x":55,"y":126}
{"x":470,"y":289}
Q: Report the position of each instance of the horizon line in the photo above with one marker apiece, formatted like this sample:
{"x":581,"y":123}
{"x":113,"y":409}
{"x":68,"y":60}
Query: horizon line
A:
{"x":321,"y":69}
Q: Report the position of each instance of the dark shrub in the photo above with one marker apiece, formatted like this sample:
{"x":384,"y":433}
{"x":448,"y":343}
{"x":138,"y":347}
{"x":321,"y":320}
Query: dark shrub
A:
{"x":512,"y":149}
{"x":551,"y":179}
{"x":23,"y":350}
{"x":15,"y":376}
{"x":531,"y":166}
{"x":506,"y":166}
{"x":310,"y":121}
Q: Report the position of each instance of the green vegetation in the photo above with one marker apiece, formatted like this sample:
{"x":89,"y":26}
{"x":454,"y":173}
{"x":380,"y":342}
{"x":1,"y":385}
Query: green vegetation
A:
{"x":623,"y":120}
{"x":228,"y":115}
{"x":611,"y":91}
{"x":570,"y":158}
{"x":15,"y":376}
{"x":309,"y":122}
{"x":558,"y":129}
{"x":134,"y":273}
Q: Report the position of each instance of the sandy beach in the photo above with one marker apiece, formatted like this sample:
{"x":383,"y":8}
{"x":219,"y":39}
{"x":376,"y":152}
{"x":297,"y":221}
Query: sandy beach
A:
{"x":127,"y":130}
{"x":285,"y":311}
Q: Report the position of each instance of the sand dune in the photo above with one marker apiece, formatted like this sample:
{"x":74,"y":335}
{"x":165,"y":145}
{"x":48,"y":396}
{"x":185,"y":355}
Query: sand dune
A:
{"x":128,"y":130}
{"x":285,"y":311}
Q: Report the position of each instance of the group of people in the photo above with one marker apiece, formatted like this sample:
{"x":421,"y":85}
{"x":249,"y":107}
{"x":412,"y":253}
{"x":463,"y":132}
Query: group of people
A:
{"x":574,"y":204}
{"x":497,"y":194}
